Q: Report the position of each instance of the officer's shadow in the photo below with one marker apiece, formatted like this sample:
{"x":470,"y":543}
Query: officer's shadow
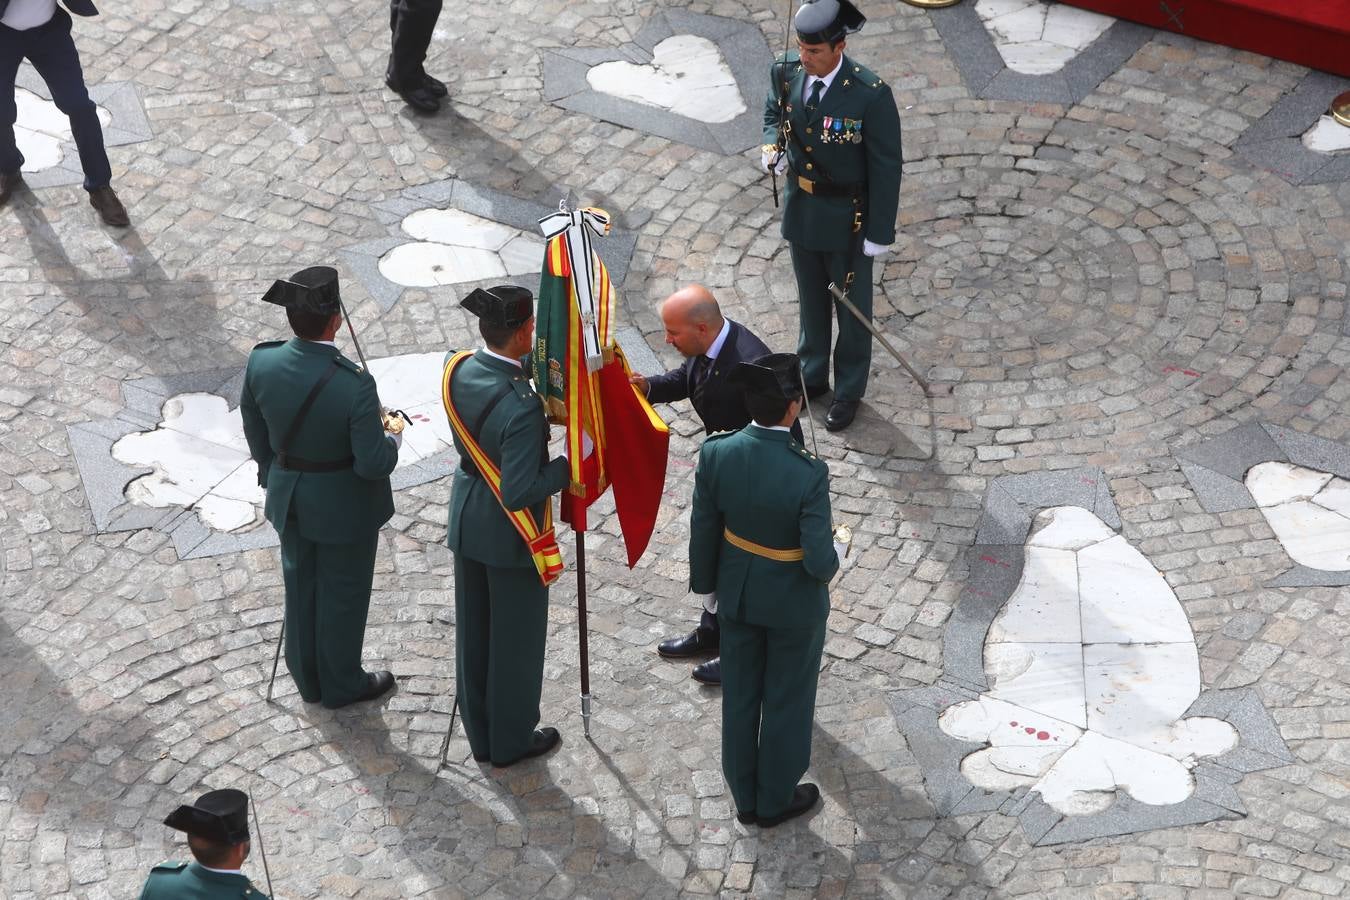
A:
{"x":169,"y":324}
{"x":886,"y":812}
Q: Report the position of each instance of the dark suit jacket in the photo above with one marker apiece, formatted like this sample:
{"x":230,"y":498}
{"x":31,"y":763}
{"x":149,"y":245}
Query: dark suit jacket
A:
{"x":78,"y":7}
{"x":722,"y":405}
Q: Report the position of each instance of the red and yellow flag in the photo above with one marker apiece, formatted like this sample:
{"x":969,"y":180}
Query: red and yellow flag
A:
{"x":613,"y":435}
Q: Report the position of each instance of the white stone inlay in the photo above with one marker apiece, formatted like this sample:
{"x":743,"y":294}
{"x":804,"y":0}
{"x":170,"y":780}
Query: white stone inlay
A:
{"x":1092,"y":665}
{"x":454,"y":247}
{"x":1327,"y":136}
{"x":41,"y":128}
{"x":687,"y":76}
{"x":200,"y":458}
{"x":1037,"y":38}
{"x":1308,"y":510}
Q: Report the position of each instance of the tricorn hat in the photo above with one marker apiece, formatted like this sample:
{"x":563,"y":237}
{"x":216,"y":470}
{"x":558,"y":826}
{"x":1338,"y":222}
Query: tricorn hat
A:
{"x":823,"y":21}
{"x":217,"y":816}
{"x":313,"y":290}
{"x":777,"y":376}
{"x":506,"y":305}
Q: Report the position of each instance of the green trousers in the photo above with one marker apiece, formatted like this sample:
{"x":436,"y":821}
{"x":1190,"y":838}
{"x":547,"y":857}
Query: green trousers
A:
{"x":327,"y":600}
{"x":768,"y":706}
{"x":501,"y":625}
{"x":815,"y":269}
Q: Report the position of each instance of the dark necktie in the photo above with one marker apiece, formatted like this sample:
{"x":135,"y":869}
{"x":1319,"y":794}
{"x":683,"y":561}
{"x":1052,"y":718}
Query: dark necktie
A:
{"x":814,"y":100}
{"x":698,"y":377}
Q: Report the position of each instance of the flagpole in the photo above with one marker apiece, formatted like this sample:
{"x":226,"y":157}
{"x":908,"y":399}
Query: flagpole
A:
{"x":582,"y":634}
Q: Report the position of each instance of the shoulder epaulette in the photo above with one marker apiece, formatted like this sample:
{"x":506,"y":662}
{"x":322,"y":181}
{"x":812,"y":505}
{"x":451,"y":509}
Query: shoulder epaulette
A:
{"x":803,"y":452}
{"x":253,"y":893}
{"x":718,"y":435}
{"x":170,"y":866}
{"x":349,"y":364}
{"x":790,"y":58}
{"x":261,"y":346}
{"x":868,"y":77}
{"x":521,"y":385}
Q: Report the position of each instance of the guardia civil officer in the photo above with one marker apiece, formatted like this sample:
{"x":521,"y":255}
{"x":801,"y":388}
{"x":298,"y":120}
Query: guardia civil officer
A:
{"x":760,"y":537}
{"x":217,"y":830}
{"x":500,"y":530}
{"x":313,"y":424}
{"x":832,"y":125}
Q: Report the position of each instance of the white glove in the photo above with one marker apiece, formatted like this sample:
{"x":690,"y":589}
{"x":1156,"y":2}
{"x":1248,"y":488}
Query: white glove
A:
{"x":871,"y":249}
{"x":396,"y":438}
{"x":772,"y":158}
{"x":840,"y":550}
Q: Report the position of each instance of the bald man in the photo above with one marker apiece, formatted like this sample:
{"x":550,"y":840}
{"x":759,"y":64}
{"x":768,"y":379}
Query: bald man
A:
{"x":711,"y":345}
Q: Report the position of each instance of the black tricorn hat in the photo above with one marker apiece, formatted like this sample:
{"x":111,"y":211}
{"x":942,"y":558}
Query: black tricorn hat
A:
{"x":217,"y":816}
{"x":823,"y":21}
{"x":506,"y":305}
{"x":313,"y":290}
{"x":777,"y":376}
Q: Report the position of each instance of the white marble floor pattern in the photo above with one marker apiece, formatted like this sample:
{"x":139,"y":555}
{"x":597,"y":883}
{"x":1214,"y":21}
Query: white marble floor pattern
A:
{"x":1035,"y":37}
{"x":1091,"y":665}
{"x":200,"y":460}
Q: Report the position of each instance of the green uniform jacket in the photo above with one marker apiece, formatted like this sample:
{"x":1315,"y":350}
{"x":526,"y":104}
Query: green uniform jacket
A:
{"x":766,"y":488}
{"x":344,"y":423}
{"x":857,"y":103}
{"x":515,"y":437}
{"x":189,"y":881}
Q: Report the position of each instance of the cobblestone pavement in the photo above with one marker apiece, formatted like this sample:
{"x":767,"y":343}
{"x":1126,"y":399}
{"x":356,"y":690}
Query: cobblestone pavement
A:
{"x":1103,"y":283}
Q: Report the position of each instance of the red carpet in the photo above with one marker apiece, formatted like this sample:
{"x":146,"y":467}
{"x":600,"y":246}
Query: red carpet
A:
{"x":1314,"y":33}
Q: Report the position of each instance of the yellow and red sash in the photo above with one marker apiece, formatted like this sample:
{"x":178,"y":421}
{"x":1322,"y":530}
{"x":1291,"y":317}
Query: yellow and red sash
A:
{"x":541,"y":543}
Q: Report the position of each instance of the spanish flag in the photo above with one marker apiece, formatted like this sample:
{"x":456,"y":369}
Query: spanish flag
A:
{"x":613,"y":434}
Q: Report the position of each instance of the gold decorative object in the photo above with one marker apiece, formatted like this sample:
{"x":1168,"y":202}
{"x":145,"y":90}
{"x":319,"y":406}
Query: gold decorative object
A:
{"x":932,"y":4}
{"x":1340,"y":109}
{"x":395,"y":420}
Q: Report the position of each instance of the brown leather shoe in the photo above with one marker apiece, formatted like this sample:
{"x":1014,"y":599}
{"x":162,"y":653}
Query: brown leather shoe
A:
{"x":110,"y":209}
{"x":8,"y":182}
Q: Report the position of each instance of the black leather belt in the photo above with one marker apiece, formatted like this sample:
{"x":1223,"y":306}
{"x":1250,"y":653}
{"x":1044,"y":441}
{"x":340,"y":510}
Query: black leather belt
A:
{"x":296,"y":464}
{"x":827,"y":189}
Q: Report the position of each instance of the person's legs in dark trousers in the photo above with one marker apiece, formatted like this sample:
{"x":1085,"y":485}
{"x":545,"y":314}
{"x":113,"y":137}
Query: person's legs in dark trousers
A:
{"x":299,"y":560}
{"x":743,"y":648}
{"x":518,"y":631}
{"x":815,"y":312}
{"x":473,"y":618}
{"x":791,"y":672}
{"x":411,"y":23}
{"x":345,"y":573}
{"x":12,"y":44}
{"x":853,"y":348}
{"x":54,"y":56}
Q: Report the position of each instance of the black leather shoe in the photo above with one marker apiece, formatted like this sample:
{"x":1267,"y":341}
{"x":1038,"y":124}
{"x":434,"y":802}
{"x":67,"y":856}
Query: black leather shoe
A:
{"x":419,"y":98}
{"x":542,"y":741}
{"x":695,"y":643}
{"x":804,"y":797}
{"x":377,"y":684}
{"x":841,"y":414}
{"x":746,"y":818}
{"x":8,"y":182}
{"x":434,"y":86}
{"x":110,"y":209}
{"x":709,"y":672}
{"x":817,"y":390}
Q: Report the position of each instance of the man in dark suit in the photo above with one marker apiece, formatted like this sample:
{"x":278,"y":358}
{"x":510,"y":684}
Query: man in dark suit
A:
{"x":411,"y":23}
{"x":39,"y":31}
{"x":712,"y":345}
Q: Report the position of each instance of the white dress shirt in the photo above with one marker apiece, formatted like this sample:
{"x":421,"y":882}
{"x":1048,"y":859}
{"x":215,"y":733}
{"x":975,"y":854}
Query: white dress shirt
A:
{"x":827,"y":80}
